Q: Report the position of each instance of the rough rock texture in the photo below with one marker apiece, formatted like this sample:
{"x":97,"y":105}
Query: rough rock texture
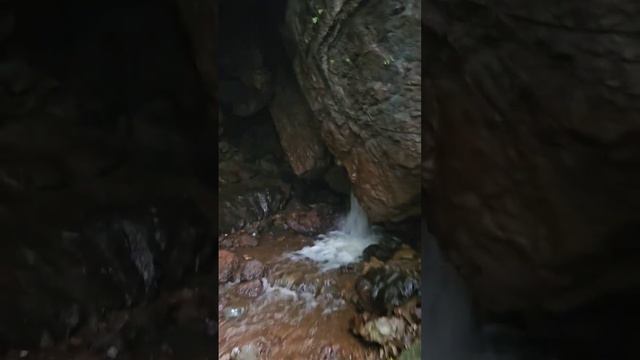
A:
{"x":228,"y":264}
{"x":298,"y":129}
{"x":533,"y":107}
{"x":54,"y":279}
{"x":252,"y":270}
{"x":240,"y":206}
{"x":359,"y":66}
{"x":250,"y":190}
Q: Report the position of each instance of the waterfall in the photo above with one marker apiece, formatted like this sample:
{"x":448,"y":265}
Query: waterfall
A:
{"x":447,"y":331}
{"x":450,"y":330}
{"x":344,"y":245}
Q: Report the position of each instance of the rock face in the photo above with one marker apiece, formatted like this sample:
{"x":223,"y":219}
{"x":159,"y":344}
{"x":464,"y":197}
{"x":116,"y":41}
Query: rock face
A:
{"x":114,"y":259}
{"x":246,"y":81}
{"x":298,"y":129}
{"x":359,"y":66}
{"x":533,"y":110}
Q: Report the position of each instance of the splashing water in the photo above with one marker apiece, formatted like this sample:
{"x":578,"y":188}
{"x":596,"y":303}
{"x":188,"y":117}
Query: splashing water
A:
{"x":343,"y":246}
{"x":451,"y":330}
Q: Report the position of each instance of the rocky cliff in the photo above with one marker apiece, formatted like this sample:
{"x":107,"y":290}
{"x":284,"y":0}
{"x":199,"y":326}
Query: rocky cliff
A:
{"x":533,"y":122}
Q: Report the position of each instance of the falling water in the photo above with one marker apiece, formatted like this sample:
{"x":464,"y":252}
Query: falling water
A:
{"x":450,"y":330}
{"x":345,"y":245}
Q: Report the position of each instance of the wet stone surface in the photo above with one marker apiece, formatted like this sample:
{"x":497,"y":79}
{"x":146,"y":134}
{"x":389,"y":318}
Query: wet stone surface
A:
{"x":296,"y":311}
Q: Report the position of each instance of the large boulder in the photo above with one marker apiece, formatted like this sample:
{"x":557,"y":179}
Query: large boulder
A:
{"x":298,"y":129}
{"x":533,"y":112}
{"x":359,"y":66}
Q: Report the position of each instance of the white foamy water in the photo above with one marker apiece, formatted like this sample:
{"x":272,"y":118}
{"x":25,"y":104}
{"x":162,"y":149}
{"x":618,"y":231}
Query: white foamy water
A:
{"x":343,"y":246}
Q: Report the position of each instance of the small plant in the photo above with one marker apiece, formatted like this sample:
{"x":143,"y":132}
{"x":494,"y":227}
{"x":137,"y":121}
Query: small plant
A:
{"x":315,"y":19}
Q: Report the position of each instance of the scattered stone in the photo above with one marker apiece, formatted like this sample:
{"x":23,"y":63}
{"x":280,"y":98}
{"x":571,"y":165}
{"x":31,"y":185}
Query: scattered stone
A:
{"x":405,"y":253}
{"x":305,"y":222}
{"x":372,"y":264}
{"x":250,"y":289}
{"x":228,"y":264}
{"x":376,"y":251}
{"x":382,"y":289}
{"x":252,"y":270}
{"x":246,"y":240}
{"x":389,"y":332}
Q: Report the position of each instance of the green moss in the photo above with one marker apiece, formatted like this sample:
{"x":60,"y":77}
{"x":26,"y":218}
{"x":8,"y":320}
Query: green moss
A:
{"x":412,"y":353}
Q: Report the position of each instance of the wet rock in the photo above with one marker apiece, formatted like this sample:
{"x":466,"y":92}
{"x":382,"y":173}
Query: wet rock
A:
{"x":509,"y":199}
{"x":252,"y":270}
{"x":228,"y":264}
{"x":364,"y":87}
{"x":250,"y":289}
{"x":384,"y":250}
{"x":382,"y":289}
{"x":405,"y":253}
{"x":238,"y":239}
{"x":376,"y":251}
{"x":113,"y":258}
{"x":305,"y":222}
{"x":389,"y":332}
{"x":298,"y":130}
{"x":306,"y":219}
{"x":241,"y":205}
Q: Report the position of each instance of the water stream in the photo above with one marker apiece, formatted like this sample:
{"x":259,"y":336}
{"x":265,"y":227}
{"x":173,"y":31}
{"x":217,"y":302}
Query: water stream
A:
{"x":303,"y":311}
{"x":342,"y":246}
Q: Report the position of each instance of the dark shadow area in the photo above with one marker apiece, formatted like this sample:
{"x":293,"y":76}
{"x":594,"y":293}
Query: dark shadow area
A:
{"x":107,"y":183}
